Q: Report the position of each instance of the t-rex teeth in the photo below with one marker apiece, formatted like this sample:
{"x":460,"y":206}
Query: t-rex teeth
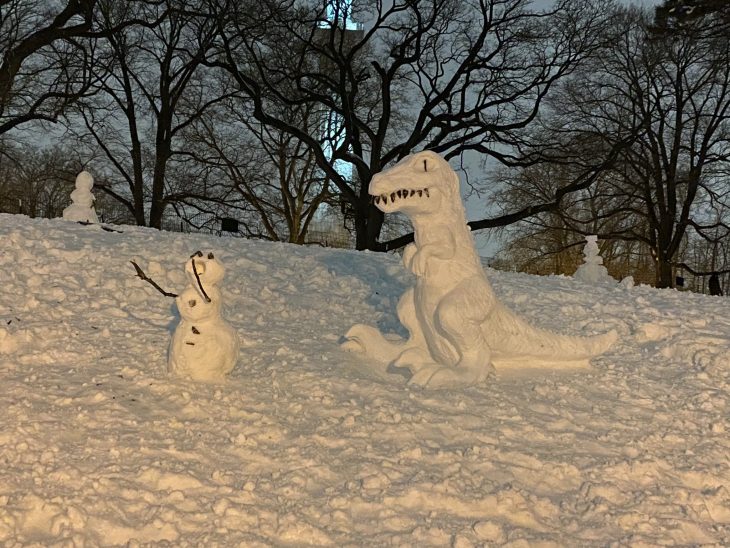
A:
{"x":426,"y":191}
{"x":399,"y":193}
{"x":413,"y":192}
{"x":384,"y":197}
{"x":376,"y":199}
{"x":392,"y":196}
{"x":420,"y":193}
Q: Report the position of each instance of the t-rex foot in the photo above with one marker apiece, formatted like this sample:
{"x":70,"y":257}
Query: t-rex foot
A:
{"x":437,"y":376}
{"x":414,"y":358}
{"x":368,"y":340}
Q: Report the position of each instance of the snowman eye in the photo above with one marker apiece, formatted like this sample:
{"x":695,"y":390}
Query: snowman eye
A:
{"x":192,"y":303}
{"x":210,"y":256}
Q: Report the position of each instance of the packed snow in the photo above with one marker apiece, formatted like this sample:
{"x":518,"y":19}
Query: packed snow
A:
{"x":306,"y":444}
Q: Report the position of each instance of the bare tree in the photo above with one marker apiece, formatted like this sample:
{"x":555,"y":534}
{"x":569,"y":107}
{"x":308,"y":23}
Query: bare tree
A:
{"x":672,"y":93}
{"x":43,"y":60}
{"x":671,"y":14}
{"x":273,"y":173}
{"x":155,"y":89}
{"x":551,"y":241}
{"x":446,"y":75}
{"x":37,"y":181}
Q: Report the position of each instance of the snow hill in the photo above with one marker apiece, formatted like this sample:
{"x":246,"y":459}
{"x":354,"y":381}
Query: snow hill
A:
{"x":305,"y":444}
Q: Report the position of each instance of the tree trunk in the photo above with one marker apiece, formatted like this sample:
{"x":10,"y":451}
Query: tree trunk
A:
{"x":361,"y":230}
{"x":138,"y":200}
{"x":157,"y":207}
{"x":375,"y":224}
{"x":368,"y":223}
{"x":163,"y":151}
{"x":664,"y":273}
{"x":156,"y":211}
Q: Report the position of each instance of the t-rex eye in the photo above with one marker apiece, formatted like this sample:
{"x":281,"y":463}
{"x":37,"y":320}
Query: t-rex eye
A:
{"x":210,"y":255}
{"x":425,"y":165}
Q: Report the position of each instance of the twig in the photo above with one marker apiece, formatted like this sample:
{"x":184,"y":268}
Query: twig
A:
{"x":146,"y":278}
{"x":87,"y":223}
{"x":200,"y":284}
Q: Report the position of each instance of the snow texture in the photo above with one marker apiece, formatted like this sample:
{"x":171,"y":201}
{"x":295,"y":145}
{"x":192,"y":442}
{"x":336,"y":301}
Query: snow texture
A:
{"x":306,"y":445}
{"x":82,"y":207}
{"x":457,"y":328}
{"x":204,"y":346}
{"x":592,"y":270}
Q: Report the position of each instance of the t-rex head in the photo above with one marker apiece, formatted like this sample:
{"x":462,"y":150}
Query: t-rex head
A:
{"x":422,"y":183}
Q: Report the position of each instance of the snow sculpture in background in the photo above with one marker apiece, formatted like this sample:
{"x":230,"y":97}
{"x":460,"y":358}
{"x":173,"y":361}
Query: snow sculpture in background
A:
{"x":82,"y":208}
{"x":592,"y":270}
{"x":204,"y":346}
{"x":457,"y":328}
{"x":627,"y":282}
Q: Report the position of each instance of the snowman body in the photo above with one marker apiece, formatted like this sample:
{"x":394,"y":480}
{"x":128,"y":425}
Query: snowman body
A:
{"x":592,"y":270}
{"x":82,"y":208}
{"x":204,"y":346}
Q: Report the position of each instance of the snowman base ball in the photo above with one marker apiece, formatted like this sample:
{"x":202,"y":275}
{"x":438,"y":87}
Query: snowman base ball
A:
{"x":204,"y":346}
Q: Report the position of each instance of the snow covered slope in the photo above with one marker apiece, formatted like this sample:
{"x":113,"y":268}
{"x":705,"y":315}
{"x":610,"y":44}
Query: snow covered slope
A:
{"x":305,"y":444}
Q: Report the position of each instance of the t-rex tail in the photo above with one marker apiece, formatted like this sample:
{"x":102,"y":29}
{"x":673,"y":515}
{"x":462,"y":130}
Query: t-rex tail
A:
{"x":514,"y":341}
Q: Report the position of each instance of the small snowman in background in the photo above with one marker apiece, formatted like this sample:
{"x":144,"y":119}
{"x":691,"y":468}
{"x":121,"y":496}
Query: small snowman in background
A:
{"x":82,"y":208}
{"x":204,"y":346}
{"x":592,"y":270}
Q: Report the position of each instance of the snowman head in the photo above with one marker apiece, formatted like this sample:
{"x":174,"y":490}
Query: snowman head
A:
{"x":84,"y":181}
{"x":204,"y":269}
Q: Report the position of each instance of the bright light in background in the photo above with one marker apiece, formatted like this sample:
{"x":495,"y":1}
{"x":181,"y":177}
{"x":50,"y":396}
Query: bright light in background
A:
{"x":337,"y":13}
{"x":340,"y":10}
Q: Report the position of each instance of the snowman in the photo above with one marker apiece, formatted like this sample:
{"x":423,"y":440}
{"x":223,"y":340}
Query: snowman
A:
{"x":204,"y":346}
{"x":82,"y":208}
{"x":592,"y":270}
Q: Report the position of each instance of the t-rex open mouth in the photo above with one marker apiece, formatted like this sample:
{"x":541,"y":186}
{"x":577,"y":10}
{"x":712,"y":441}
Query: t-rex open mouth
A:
{"x":400,"y":194}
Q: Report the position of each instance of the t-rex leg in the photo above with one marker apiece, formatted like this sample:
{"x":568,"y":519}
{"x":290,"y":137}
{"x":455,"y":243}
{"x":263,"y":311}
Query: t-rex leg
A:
{"x":460,"y":318}
{"x":411,"y":353}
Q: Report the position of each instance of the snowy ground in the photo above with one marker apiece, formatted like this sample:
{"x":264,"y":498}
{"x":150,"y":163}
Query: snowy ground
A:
{"x":307,"y":445}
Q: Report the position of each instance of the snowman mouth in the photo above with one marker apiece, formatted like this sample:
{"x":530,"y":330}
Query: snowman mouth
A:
{"x":401,"y":194}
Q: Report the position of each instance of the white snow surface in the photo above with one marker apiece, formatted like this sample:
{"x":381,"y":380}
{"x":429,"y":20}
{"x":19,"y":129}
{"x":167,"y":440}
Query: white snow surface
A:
{"x":306,"y":444}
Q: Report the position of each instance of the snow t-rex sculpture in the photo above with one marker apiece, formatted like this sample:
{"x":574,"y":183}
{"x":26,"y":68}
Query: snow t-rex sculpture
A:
{"x":457,"y":327}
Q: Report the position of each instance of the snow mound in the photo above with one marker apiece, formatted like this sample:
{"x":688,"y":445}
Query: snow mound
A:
{"x":305,"y":444}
